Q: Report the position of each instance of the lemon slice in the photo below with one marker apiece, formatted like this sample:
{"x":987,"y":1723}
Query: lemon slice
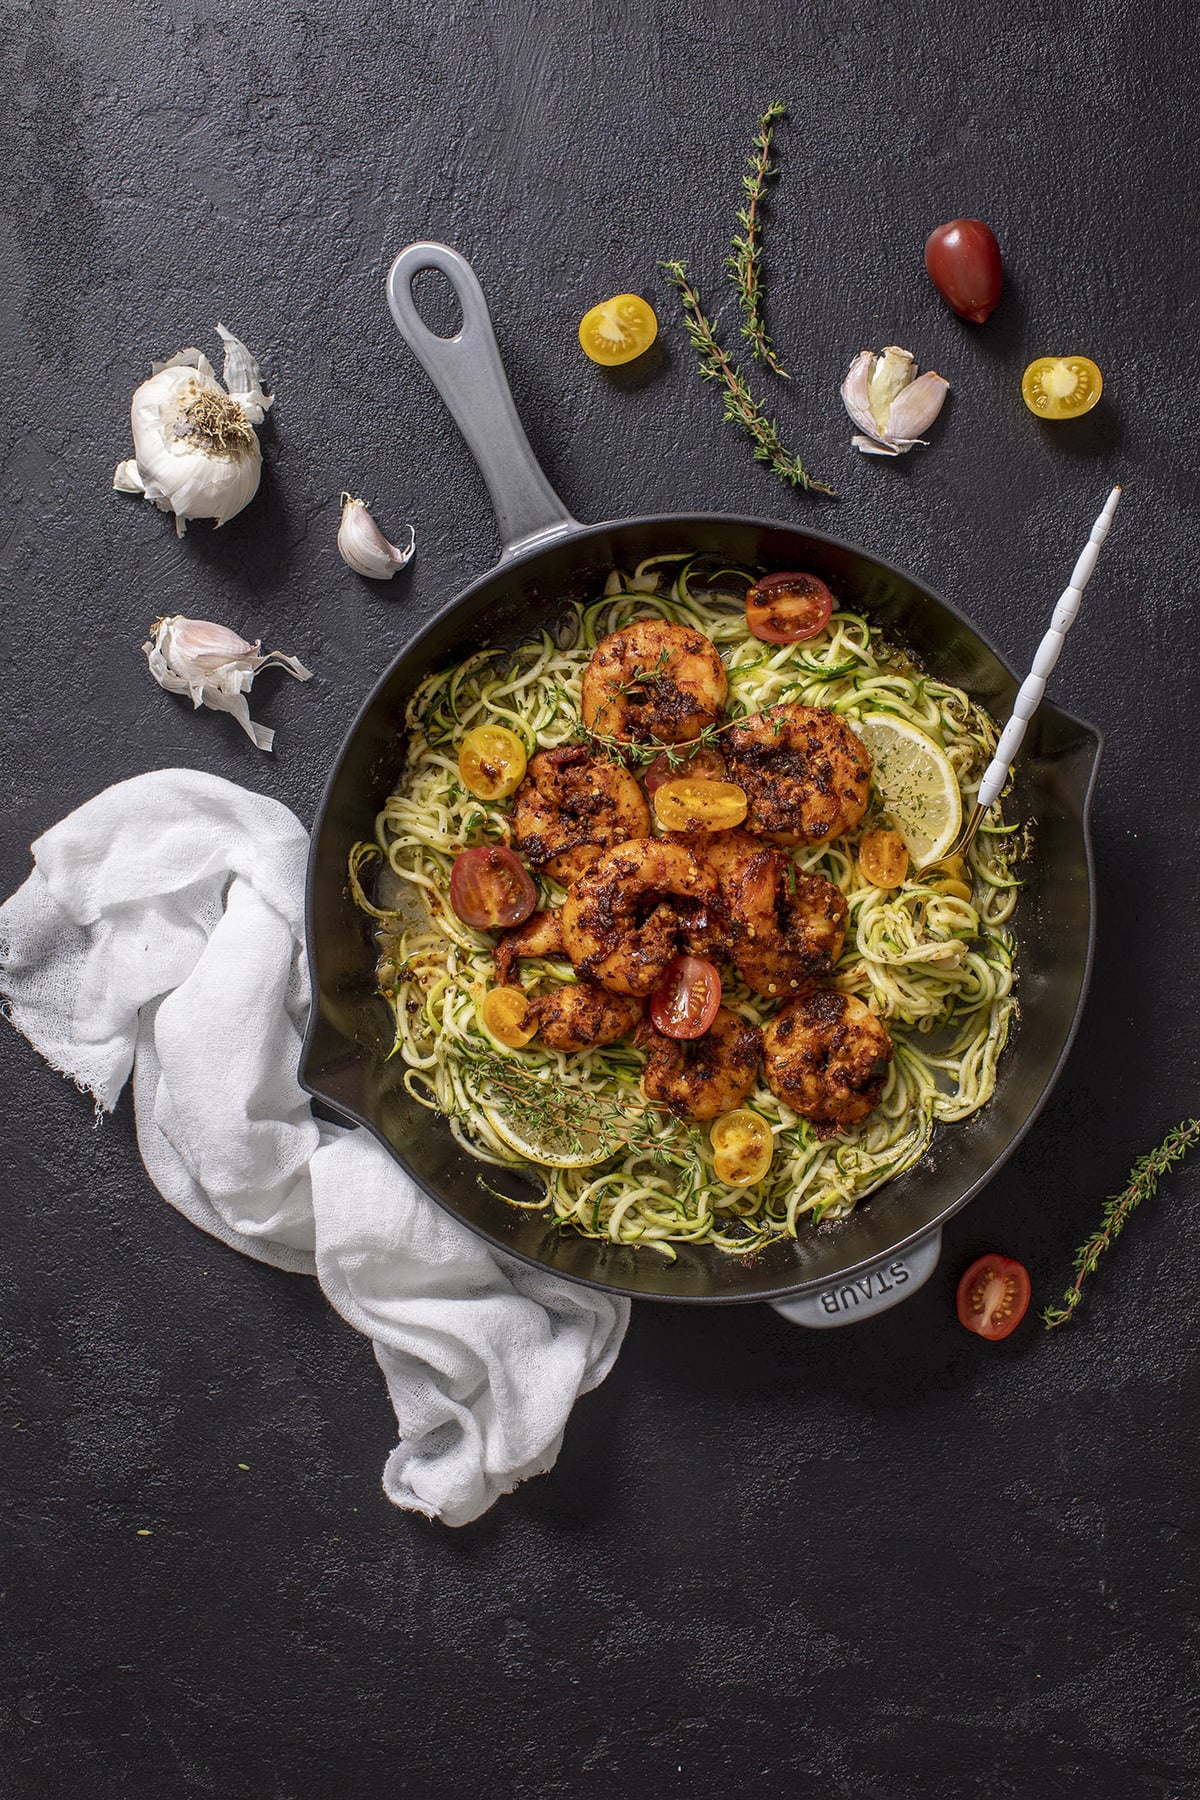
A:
{"x":555,"y":1142}
{"x":915,"y":783}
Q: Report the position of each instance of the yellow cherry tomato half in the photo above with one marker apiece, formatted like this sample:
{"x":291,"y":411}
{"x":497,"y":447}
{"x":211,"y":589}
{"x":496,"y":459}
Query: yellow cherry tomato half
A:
{"x":693,"y":803}
{"x":1061,"y":387}
{"x":506,"y":1013}
{"x":618,"y":330}
{"x":950,"y":876}
{"x":883,"y":858}
{"x":950,"y":885}
{"x":491,"y":761}
{"x":742,"y":1147}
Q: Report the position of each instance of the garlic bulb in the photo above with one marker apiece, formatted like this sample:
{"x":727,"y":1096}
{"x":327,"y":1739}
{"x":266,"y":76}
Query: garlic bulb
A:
{"x":363,"y":546}
{"x":215,"y":666}
{"x":195,"y":451}
{"x":889,"y":402}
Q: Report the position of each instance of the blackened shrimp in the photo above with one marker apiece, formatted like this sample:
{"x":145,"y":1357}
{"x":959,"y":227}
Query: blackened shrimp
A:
{"x":571,"y":805}
{"x":539,"y":935}
{"x":806,"y":775}
{"x":697,"y":1078}
{"x":727,"y":855}
{"x":583,"y":1016}
{"x":571,"y":1016}
{"x":628,"y":915}
{"x":827,"y":1056}
{"x":653,"y":683}
{"x":783,"y":929}
{"x":788,"y":928}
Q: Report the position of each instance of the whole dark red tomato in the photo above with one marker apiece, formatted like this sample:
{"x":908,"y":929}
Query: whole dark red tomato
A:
{"x":993,"y":1296}
{"x":490,"y":889}
{"x":787,"y":608}
{"x":685,"y":1002}
{"x":963,"y":260}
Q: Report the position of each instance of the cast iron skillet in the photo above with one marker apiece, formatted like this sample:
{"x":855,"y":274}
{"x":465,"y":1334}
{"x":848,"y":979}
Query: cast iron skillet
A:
{"x":891,"y":1243}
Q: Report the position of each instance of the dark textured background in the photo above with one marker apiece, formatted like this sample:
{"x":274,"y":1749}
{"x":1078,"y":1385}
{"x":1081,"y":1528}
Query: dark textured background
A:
{"x":889,"y":1561}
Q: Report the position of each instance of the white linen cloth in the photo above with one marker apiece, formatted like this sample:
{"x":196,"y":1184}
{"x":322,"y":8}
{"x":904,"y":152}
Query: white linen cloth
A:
{"x":161,"y":931}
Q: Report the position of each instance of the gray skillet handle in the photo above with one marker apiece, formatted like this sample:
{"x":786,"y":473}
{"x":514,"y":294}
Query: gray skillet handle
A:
{"x":467,"y":372}
{"x":884,"y":1284}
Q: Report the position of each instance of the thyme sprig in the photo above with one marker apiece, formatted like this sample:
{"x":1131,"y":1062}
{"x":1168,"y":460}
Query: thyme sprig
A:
{"x":1144,"y":1178}
{"x":745,"y":260}
{"x":621,"y":750}
{"x":741,"y":407}
{"x":557,"y":1111}
{"x":624,"y":751}
{"x":638,"y":680}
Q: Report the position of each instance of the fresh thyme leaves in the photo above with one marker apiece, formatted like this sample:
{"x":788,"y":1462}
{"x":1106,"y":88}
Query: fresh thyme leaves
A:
{"x":545,"y":1104}
{"x":741,"y":407}
{"x":1143,"y":1182}
{"x":552,"y":1114}
{"x":744,"y":264}
{"x":675,"y":756}
{"x":619,"y":750}
{"x":745,"y":261}
{"x":639,"y":679}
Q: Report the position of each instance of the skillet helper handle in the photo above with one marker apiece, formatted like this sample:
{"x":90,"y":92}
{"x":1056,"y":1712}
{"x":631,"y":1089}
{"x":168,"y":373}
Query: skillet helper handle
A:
{"x":467,"y":372}
{"x":1048,"y":652}
{"x":884,"y":1284}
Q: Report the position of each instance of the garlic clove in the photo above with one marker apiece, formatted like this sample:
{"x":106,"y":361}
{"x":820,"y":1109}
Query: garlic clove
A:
{"x":201,"y":642}
{"x":915,"y":408}
{"x":243,"y":378}
{"x":363,"y":547}
{"x":215,"y":667}
{"x":127,"y":480}
{"x":890,"y":373}
{"x":855,"y":396}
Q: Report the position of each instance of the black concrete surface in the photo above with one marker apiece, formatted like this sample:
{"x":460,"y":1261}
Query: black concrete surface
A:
{"x":891,"y":1561}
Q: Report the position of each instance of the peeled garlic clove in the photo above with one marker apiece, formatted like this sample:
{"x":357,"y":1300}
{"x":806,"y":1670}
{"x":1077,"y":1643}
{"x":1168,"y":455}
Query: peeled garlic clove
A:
{"x":890,"y":373}
{"x":215,"y":667}
{"x":363,"y":547}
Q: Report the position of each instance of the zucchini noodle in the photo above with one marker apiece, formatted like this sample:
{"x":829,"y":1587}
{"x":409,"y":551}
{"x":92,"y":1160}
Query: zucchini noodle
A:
{"x":937,"y":969}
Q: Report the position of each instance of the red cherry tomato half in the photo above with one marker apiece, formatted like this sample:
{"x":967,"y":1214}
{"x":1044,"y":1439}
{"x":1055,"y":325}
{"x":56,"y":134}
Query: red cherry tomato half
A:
{"x":685,"y":1002}
{"x":786,"y":609}
{"x":490,"y":889}
{"x":993,"y":1296}
{"x":701,"y":761}
{"x":963,"y":260}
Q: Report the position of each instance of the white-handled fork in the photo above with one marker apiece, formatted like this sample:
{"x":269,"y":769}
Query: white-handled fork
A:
{"x":1034,"y":684}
